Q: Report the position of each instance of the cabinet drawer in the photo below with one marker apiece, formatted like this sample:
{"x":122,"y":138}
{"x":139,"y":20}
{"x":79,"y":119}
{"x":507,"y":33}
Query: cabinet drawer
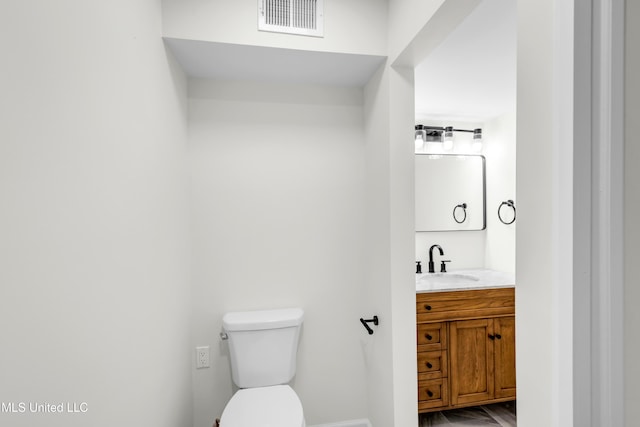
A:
{"x":431,"y":336}
{"x":433,"y":393}
{"x":457,"y":305}
{"x":432,"y":365}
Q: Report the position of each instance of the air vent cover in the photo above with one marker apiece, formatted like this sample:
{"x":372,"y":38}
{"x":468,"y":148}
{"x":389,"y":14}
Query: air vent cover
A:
{"x":303,"y":17}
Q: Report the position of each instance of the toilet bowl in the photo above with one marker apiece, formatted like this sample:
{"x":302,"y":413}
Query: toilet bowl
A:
{"x":262,"y":352}
{"x":273,"y":406}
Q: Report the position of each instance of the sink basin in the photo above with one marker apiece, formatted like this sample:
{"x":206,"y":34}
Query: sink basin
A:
{"x":449,"y":278}
{"x":463,"y":279}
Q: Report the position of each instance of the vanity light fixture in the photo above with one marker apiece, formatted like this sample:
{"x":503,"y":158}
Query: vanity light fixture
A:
{"x":444,"y":135}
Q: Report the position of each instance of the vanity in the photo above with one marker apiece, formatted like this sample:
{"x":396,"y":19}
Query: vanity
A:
{"x":465,"y":339}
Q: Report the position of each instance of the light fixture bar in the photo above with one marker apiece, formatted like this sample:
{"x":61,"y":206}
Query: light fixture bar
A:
{"x":441,"y":128}
{"x":444,"y":134}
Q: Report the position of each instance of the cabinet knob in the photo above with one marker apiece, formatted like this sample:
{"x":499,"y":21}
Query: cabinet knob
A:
{"x":429,"y":393}
{"x":427,"y":307}
{"x":492,"y":337}
{"x":499,"y":336}
{"x":429,"y":337}
{"x":429,"y":365}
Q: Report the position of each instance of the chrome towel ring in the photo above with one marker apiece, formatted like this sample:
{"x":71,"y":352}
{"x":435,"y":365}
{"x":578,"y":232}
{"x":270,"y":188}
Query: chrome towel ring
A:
{"x":462,"y":206}
{"x":510,"y":204}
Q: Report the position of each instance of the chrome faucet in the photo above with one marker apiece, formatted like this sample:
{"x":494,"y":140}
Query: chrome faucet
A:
{"x":431,"y":266}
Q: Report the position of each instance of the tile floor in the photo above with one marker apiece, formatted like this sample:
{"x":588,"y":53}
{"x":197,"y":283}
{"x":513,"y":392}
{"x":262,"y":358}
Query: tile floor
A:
{"x":496,"y":415}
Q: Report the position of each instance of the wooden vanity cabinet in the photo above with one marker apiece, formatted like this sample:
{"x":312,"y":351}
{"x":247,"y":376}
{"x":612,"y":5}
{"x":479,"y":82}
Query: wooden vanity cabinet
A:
{"x":466,"y":348}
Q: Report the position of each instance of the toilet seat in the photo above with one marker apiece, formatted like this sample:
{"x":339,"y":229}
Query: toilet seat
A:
{"x":273,"y":406}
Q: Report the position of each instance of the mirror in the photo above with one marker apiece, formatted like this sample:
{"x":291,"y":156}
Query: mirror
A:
{"x":450,"y":192}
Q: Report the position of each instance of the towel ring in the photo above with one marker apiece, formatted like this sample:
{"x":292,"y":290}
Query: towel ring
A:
{"x":512,"y":205}
{"x":462,"y":206}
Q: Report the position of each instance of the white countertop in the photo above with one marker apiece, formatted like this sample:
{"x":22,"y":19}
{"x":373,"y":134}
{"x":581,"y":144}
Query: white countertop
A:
{"x":458,"y":280}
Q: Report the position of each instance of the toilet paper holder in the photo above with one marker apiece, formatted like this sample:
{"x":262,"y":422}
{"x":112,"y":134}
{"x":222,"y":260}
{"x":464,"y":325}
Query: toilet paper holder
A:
{"x":366,"y":321}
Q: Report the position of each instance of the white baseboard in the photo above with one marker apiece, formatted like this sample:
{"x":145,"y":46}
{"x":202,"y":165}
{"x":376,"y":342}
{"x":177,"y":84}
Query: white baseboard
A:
{"x":351,"y":423}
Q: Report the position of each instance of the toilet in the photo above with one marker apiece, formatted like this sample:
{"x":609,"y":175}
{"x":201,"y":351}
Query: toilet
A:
{"x":262,"y":349}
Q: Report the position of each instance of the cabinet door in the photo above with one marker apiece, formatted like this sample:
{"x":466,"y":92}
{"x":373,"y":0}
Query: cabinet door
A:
{"x":471,"y":361}
{"x":505,"y":356}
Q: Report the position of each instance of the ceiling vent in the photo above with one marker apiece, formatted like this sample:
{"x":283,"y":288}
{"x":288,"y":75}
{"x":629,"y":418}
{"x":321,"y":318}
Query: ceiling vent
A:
{"x":303,"y":17}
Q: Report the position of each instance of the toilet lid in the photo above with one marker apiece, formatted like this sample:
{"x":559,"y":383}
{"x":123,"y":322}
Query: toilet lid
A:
{"x":274,"y":406}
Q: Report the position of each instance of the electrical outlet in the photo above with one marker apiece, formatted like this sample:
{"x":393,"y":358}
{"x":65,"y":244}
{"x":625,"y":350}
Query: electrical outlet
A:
{"x":202,"y":357}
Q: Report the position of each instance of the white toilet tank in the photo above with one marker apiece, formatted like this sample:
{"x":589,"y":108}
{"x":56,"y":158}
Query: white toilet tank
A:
{"x":263,"y":346}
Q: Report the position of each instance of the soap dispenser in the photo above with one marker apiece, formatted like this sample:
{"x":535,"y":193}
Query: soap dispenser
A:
{"x":418,"y":268}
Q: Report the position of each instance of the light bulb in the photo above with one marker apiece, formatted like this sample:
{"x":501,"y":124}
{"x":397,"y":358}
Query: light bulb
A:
{"x":435,"y":147}
{"x":476,"y":145}
{"x":420,"y":138}
{"x":448,"y":139}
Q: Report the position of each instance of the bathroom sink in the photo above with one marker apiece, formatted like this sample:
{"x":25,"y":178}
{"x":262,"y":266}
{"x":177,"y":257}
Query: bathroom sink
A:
{"x":463,"y":279}
{"x":449,"y":278}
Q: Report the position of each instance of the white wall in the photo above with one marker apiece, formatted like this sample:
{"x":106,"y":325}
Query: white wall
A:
{"x":354,"y":26}
{"x":500,"y":151}
{"x":378,"y":347}
{"x":390,"y":353}
{"x":93,"y":253}
{"x":632,"y":213}
{"x":465,"y":249}
{"x":402,"y":213}
{"x":278,"y":187}
{"x":537,"y":245}
{"x":406,"y":19}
